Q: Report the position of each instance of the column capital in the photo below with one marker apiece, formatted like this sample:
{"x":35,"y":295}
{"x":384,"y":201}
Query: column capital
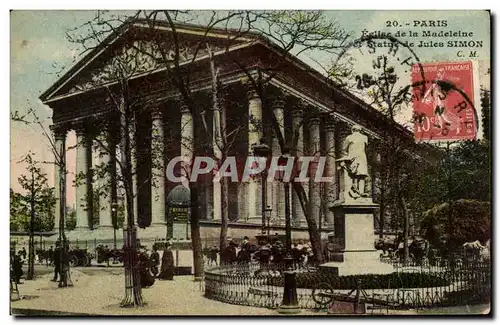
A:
{"x":80,"y":127}
{"x":278,"y":103}
{"x":252,"y":93}
{"x":59,"y":131}
{"x":297,"y":112}
{"x":329,"y":123}
{"x":314,"y":120}
{"x":185,"y":109}
{"x":156,"y":114}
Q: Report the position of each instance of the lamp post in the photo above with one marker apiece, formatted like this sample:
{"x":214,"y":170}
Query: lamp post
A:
{"x":114,"y":217}
{"x":263,"y":150}
{"x":267,"y":212}
{"x":289,"y":304}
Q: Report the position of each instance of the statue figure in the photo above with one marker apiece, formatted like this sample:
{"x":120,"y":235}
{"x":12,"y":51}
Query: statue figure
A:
{"x":355,"y":163}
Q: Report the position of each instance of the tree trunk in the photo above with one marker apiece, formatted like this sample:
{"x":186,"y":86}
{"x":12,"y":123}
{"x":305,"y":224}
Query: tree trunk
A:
{"x":404,"y":209}
{"x":220,"y":149}
{"x":312,"y":227}
{"x":224,"y":213}
{"x":381,"y":219}
{"x":133,"y":290}
{"x":31,"y":245}
{"x":195,"y":233}
{"x":314,"y":233}
{"x":65,"y":279}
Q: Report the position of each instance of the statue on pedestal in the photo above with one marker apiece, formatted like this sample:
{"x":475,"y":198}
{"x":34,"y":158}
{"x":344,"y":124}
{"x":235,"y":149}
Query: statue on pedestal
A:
{"x":355,"y":164}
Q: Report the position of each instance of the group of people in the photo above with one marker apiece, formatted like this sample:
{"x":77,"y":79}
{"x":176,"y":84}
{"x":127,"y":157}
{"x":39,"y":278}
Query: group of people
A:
{"x":270,"y":252}
{"x":16,"y":265}
{"x":152,"y":267}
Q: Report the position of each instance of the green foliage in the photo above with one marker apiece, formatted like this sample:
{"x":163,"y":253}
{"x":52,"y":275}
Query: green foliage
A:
{"x":70,"y":220}
{"x":468,"y":220}
{"x":369,"y":281}
{"x":18,"y":217}
{"x":38,"y":196}
{"x":464,"y":173}
{"x":120,"y":215}
{"x":486,"y":114}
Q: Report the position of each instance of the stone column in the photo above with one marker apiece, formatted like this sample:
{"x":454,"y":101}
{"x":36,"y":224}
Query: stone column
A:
{"x":157,"y":170}
{"x":330,"y":168}
{"x":314,"y":150}
{"x":83,"y":211}
{"x":60,"y":147}
{"x":105,"y":201}
{"x":278,"y":194}
{"x":298,"y":132}
{"x":187,"y":141}
{"x":255,"y":133}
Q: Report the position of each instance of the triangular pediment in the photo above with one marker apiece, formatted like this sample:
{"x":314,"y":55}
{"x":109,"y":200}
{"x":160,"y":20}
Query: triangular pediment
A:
{"x":135,"y":52}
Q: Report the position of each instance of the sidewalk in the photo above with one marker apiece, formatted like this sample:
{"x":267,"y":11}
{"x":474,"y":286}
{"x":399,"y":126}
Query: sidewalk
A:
{"x":100,"y":294}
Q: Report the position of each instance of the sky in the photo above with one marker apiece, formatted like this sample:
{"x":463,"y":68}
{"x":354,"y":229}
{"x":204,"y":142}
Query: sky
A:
{"x":39,"y":49}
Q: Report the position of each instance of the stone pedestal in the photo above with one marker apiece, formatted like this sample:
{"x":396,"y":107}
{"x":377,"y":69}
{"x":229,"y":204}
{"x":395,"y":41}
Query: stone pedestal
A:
{"x":354,"y":223}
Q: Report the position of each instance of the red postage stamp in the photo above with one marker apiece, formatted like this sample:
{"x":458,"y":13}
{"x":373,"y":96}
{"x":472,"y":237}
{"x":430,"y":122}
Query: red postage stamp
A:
{"x":443,"y":100}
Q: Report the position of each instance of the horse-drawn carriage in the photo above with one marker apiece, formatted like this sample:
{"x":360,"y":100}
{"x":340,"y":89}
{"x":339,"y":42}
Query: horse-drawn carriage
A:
{"x":80,"y":257}
{"x":104,"y":254}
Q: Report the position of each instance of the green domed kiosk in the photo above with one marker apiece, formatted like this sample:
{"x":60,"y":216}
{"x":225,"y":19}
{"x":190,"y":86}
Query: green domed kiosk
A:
{"x":178,"y":210}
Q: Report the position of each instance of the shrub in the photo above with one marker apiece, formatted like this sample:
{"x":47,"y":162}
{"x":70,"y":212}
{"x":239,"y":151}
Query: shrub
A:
{"x":368,"y":281}
{"x":470,"y":221}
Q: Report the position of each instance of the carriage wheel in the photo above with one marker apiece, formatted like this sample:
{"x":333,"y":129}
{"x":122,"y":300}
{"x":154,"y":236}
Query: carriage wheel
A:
{"x":86,"y":261}
{"x":73,"y":261}
{"x":322,"y":293}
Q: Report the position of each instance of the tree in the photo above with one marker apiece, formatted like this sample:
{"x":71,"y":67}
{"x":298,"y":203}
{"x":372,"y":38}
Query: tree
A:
{"x":59,"y":150}
{"x":38,"y":199}
{"x":471,"y":222}
{"x":19,"y":220}
{"x":125,"y":61}
{"x":295,"y":32}
{"x":463,"y":173}
{"x":298,"y":31}
{"x":71,"y":220}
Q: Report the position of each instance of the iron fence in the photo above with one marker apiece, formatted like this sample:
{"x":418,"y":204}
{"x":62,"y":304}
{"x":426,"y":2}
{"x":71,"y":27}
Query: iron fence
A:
{"x":408,"y":287}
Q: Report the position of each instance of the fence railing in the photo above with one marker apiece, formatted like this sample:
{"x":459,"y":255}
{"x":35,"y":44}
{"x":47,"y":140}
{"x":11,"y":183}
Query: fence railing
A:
{"x":407,"y":288}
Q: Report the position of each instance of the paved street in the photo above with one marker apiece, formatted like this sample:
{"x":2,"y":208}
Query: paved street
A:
{"x":98,"y":291}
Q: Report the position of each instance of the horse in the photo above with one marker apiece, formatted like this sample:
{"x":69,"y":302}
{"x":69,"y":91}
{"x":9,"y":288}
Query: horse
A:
{"x":44,"y":255}
{"x":388,"y":245}
{"x":211,"y":255}
{"x":105,"y":254}
{"x":474,"y":251}
{"x":418,"y":249}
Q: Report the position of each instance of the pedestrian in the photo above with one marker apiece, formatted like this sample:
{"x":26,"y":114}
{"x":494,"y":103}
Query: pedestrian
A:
{"x":155,"y":261}
{"x":228,"y":256}
{"x":147,"y":280}
{"x":24,"y":253}
{"x":49,"y":256}
{"x":167,"y":264}
{"x":56,"y":258}
{"x":17,"y":267}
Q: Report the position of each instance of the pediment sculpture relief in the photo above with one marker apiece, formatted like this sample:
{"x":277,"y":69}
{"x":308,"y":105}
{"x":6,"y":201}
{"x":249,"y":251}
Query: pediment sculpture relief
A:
{"x":139,"y":57}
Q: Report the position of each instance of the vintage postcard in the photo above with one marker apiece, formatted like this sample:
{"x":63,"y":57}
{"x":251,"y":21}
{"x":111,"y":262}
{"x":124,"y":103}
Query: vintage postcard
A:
{"x":250,"y":162}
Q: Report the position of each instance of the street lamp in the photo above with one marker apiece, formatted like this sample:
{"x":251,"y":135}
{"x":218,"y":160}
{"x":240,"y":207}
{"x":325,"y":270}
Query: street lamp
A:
{"x":289,"y":304}
{"x":267,"y":212}
{"x":280,"y":176}
{"x":263,"y":150}
{"x":114,"y":217}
